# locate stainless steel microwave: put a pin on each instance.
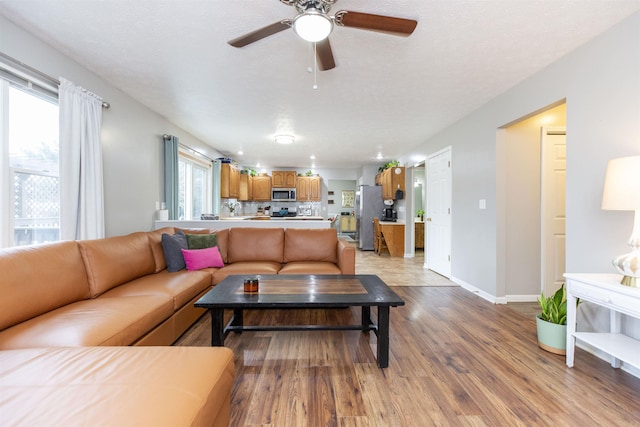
(283, 194)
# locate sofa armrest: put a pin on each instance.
(346, 257)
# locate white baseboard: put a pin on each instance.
(482, 294)
(522, 298)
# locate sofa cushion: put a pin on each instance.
(197, 259)
(117, 386)
(116, 260)
(155, 241)
(221, 235)
(223, 243)
(180, 287)
(246, 267)
(100, 321)
(201, 241)
(172, 245)
(310, 267)
(38, 279)
(255, 244)
(310, 245)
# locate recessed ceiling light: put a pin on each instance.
(312, 157)
(379, 156)
(285, 139)
(240, 153)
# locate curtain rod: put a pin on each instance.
(27, 72)
(167, 137)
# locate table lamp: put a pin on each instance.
(622, 193)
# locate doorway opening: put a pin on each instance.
(530, 200)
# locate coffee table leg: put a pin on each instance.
(383, 336)
(366, 318)
(217, 327)
(238, 320)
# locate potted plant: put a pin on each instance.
(552, 322)
(420, 213)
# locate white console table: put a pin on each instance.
(604, 290)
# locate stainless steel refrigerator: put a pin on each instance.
(369, 204)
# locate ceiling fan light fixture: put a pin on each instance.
(285, 139)
(312, 25)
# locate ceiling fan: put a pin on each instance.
(314, 24)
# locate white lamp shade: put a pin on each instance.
(622, 184)
(312, 26)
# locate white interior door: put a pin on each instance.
(438, 213)
(552, 205)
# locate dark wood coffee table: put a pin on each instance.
(303, 291)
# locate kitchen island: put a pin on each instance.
(250, 221)
(393, 233)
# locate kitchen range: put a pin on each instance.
(283, 212)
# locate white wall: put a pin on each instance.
(131, 135)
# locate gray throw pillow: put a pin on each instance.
(172, 246)
(201, 241)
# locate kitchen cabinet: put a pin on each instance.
(347, 224)
(245, 192)
(392, 179)
(419, 231)
(229, 181)
(261, 188)
(283, 179)
(308, 188)
(606, 291)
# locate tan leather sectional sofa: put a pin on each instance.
(117, 292)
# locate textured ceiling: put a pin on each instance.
(386, 95)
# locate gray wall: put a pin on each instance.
(131, 135)
(601, 83)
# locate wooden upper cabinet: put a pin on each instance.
(283, 179)
(261, 188)
(308, 189)
(246, 187)
(302, 189)
(392, 179)
(229, 181)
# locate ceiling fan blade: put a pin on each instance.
(261, 33)
(325, 55)
(381, 23)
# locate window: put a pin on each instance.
(29, 185)
(194, 186)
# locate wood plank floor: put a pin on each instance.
(455, 360)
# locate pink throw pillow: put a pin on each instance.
(196, 259)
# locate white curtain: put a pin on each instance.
(81, 187)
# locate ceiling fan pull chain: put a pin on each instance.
(315, 67)
(311, 54)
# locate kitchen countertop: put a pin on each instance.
(398, 222)
(270, 218)
(230, 222)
